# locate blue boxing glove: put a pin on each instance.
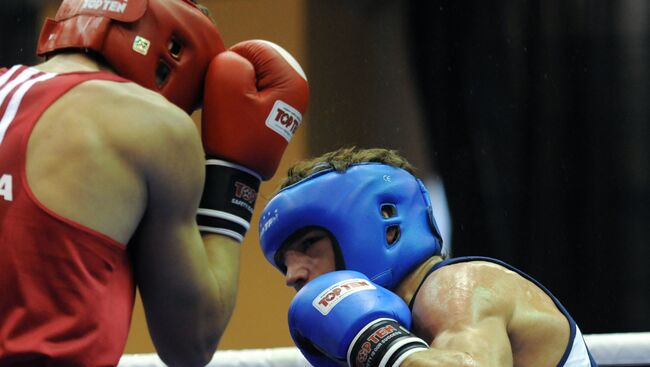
(342, 318)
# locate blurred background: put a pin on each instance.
(529, 120)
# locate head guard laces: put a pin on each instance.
(163, 45)
(359, 207)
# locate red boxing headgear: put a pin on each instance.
(163, 45)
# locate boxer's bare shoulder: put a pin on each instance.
(128, 137)
(133, 117)
(478, 294)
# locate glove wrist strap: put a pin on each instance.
(383, 342)
(228, 199)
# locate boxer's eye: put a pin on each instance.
(307, 242)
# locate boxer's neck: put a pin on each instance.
(72, 62)
(407, 287)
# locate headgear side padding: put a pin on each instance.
(349, 205)
(163, 45)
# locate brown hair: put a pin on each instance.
(341, 159)
(205, 11)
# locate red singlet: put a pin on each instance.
(66, 291)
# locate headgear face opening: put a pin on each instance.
(163, 45)
(358, 207)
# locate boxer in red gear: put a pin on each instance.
(101, 174)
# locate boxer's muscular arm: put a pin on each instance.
(466, 317)
(482, 344)
(188, 287)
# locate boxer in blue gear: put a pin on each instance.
(364, 210)
(381, 198)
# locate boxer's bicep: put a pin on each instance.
(464, 316)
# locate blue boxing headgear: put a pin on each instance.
(351, 205)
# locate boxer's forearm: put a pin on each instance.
(439, 358)
(223, 254)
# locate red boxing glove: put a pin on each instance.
(255, 96)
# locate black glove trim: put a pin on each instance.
(211, 161)
(383, 342)
(403, 349)
(228, 199)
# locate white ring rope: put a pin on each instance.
(271, 357)
(619, 349)
(629, 349)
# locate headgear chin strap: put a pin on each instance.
(358, 207)
(163, 45)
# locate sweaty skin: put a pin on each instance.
(471, 314)
(123, 161)
(309, 256)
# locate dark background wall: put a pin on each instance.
(539, 112)
(18, 30)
